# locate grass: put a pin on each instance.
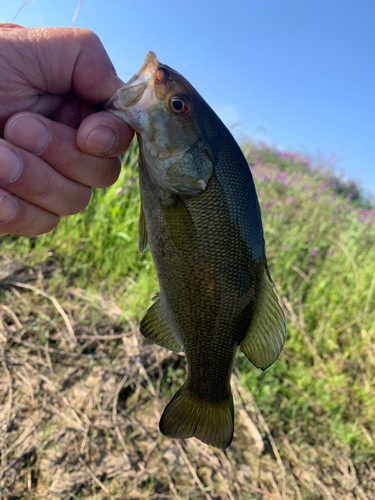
(81, 394)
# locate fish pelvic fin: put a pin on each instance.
(187, 416)
(156, 328)
(266, 335)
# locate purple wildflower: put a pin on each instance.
(268, 205)
(290, 200)
(313, 251)
(281, 175)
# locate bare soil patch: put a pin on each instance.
(81, 394)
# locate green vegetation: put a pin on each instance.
(98, 247)
(317, 400)
(321, 249)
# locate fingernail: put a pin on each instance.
(8, 209)
(10, 164)
(28, 133)
(101, 140)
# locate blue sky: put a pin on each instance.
(295, 73)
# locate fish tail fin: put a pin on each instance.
(186, 416)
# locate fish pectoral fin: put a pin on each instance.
(186, 416)
(180, 225)
(266, 335)
(155, 327)
(142, 232)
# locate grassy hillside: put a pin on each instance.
(81, 392)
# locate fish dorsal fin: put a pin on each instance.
(156, 328)
(266, 335)
(142, 232)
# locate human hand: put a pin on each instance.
(53, 146)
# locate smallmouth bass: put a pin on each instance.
(201, 218)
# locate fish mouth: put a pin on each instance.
(133, 90)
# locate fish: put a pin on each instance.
(201, 219)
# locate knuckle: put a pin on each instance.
(47, 189)
(88, 36)
(84, 199)
(43, 225)
(50, 223)
(80, 201)
(25, 224)
(109, 173)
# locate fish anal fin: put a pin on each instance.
(186, 416)
(142, 232)
(156, 328)
(266, 335)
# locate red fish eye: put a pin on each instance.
(179, 105)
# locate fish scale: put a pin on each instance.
(200, 217)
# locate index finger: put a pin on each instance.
(58, 61)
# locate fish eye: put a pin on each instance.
(179, 104)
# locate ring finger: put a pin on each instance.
(33, 180)
(22, 218)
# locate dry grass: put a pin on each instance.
(80, 401)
